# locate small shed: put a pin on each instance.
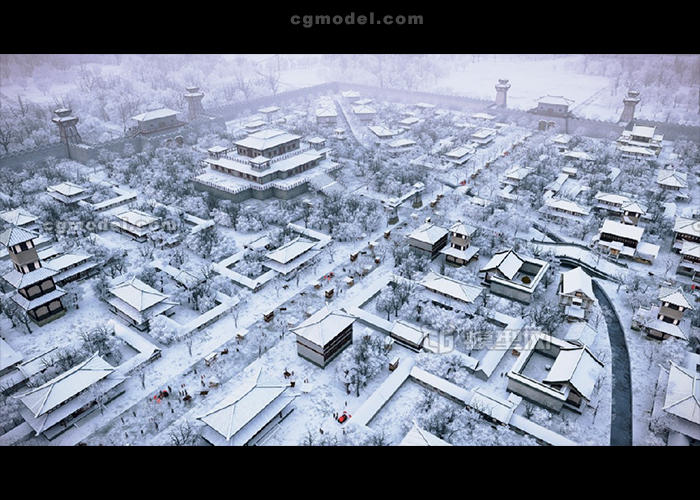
(394, 364)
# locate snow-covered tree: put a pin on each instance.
(360, 362)
(165, 330)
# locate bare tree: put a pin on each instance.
(183, 434)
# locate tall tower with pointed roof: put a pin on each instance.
(36, 292)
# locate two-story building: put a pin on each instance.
(690, 260)
(628, 210)
(619, 239)
(324, 335)
(674, 182)
(640, 141)
(268, 143)
(576, 294)
(685, 229)
(429, 239)
(460, 251)
(68, 192)
(664, 320)
(135, 223)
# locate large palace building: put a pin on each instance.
(264, 164)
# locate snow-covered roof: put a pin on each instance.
(408, 332)
(651, 322)
(639, 150)
(691, 249)
(266, 139)
(465, 254)
(399, 143)
(268, 110)
(8, 356)
(41, 300)
(460, 227)
(557, 183)
(497, 408)
(483, 116)
(420, 437)
(53, 393)
(641, 131)
(506, 262)
(253, 124)
(567, 205)
(554, 99)
(18, 217)
(483, 133)
(65, 261)
(683, 394)
(616, 199)
(66, 189)
(674, 296)
(459, 152)
(576, 280)
(687, 226)
(15, 235)
(22, 280)
(517, 173)
(579, 155)
(138, 294)
(577, 367)
(350, 94)
(241, 415)
(326, 110)
(382, 131)
(451, 287)
(646, 249)
(428, 233)
(582, 332)
(324, 325)
(291, 250)
(363, 109)
(153, 115)
(634, 207)
(137, 218)
(410, 120)
(672, 178)
(363, 101)
(622, 230)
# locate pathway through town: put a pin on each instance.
(621, 420)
